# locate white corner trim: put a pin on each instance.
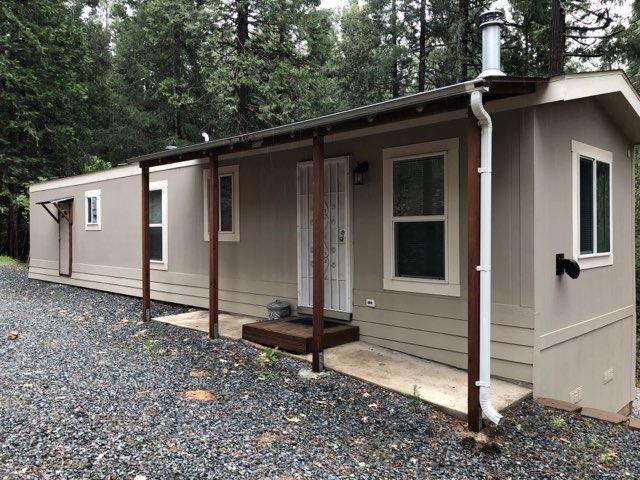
(579, 149)
(96, 227)
(451, 285)
(233, 236)
(162, 185)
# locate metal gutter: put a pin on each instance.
(331, 119)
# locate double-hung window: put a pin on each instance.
(592, 168)
(228, 204)
(421, 218)
(92, 206)
(158, 224)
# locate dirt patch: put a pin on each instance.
(199, 395)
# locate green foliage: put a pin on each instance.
(558, 422)
(608, 457)
(85, 84)
(95, 164)
(5, 260)
(594, 444)
(271, 354)
(268, 355)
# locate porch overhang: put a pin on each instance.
(443, 100)
(55, 203)
(439, 100)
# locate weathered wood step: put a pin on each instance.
(294, 334)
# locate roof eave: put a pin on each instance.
(506, 86)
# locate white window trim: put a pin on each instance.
(97, 226)
(164, 263)
(451, 284)
(234, 172)
(591, 260)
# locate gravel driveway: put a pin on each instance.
(86, 391)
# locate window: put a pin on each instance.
(158, 224)
(592, 206)
(228, 205)
(92, 208)
(421, 218)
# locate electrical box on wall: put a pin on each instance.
(371, 303)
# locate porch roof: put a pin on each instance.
(438, 100)
(55, 201)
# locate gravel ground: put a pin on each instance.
(636, 404)
(87, 391)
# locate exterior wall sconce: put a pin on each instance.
(567, 265)
(359, 171)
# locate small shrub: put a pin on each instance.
(594, 444)
(416, 393)
(271, 354)
(271, 376)
(583, 462)
(558, 422)
(607, 458)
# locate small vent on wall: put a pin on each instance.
(575, 395)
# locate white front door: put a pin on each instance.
(337, 235)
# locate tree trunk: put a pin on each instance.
(422, 61)
(395, 83)
(557, 38)
(242, 35)
(462, 48)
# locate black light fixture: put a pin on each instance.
(567, 265)
(359, 171)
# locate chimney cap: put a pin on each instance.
(492, 17)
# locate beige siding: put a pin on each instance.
(583, 326)
(263, 266)
(435, 326)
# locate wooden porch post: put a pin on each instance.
(318, 253)
(474, 416)
(146, 253)
(213, 245)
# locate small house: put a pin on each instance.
(487, 225)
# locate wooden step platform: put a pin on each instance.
(294, 334)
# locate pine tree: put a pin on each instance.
(47, 69)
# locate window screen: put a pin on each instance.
(420, 249)
(155, 234)
(226, 203)
(586, 205)
(603, 206)
(419, 193)
(418, 186)
(595, 206)
(155, 225)
(92, 210)
(155, 207)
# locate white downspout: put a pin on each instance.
(484, 120)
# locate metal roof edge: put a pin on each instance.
(323, 120)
